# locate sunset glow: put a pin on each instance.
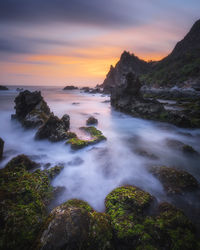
(77, 43)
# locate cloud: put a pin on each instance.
(93, 12)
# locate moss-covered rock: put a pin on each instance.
(134, 228)
(174, 180)
(23, 199)
(75, 225)
(70, 135)
(53, 172)
(126, 206)
(96, 135)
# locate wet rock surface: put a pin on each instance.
(95, 134)
(70, 87)
(1, 147)
(91, 120)
(75, 225)
(180, 146)
(54, 129)
(23, 199)
(31, 109)
(3, 87)
(175, 180)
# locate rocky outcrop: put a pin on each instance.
(3, 87)
(75, 225)
(54, 129)
(182, 147)
(1, 147)
(95, 134)
(127, 63)
(91, 120)
(70, 87)
(23, 199)
(31, 109)
(174, 180)
(128, 98)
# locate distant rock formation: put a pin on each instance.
(127, 63)
(181, 67)
(71, 87)
(3, 87)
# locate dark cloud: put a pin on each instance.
(95, 12)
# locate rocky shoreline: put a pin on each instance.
(133, 218)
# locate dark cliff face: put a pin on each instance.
(182, 65)
(179, 67)
(127, 63)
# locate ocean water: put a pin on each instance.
(91, 173)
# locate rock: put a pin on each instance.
(77, 161)
(54, 129)
(91, 120)
(180, 146)
(19, 89)
(127, 206)
(132, 224)
(70, 135)
(75, 225)
(31, 109)
(71, 87)
(85, 89)
(3, 87)
(146, 154)
(96, 135)
(23, 200)
(53, 172)
(1, 147)
(174, 180)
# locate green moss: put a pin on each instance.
(174, 180)
(96, 135)
(79, 204)
(23, 198)
(53, 172)
(71, 135)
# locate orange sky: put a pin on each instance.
(79, 48)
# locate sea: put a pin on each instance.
(92, 173)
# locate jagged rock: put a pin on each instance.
(53, 172)
(174, 180)
(3, 87)
(31, 109)
(54, 129)
(127, 63)
(1, 147)
(23, 200)
(91, 120)
(75, 225)
(71, 87)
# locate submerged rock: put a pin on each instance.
(31, 109)
(96, 135)
(180, 146)
(54, 129)
(53, 172)
(174, 180)
(1, 147)
(75, 225)
(23, 200)
(91, 120)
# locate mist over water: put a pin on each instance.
(91, 173)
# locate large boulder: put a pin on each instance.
(75, 225)
(54, 129)
(3, 87)
(31, 109)
(24, 196)
(91, 120)
(174, 180)
(70, 87)
(136, 227)
(1, 147)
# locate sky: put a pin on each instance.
(74, 42)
